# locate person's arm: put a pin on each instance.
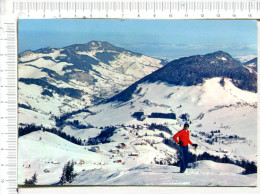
(190, 140)
(193, 144)
(176, 137)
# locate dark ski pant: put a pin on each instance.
(184, 158)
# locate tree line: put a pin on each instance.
(31, 128)
(104, 136)
(60, 121)
(160, 127)
(250, 167)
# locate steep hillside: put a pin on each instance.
(194, 70)
(252, 64)
(53, 81)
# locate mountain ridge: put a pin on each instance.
(94, 71)
(188, 71)
(252, 64)
(89, 46)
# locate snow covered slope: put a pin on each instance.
(221, 110)
(222, 118)
(207, 173)
(45, 154)
(210, 92)
(39, 151)
(55, 81)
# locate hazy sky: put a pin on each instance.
(158, 38)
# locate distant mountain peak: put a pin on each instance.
(221, 53)
(99, 43)
(103, 45)
(94, 45)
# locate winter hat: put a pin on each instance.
(186, 124)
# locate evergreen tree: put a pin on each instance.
(68, 174)
(31, 181)
(34, 178)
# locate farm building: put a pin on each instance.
(81, 162)
(27, 165)
(134, 154)
(46, 170)
(95, 149)
(115, 151)
(118, 161)
(141, 143)
(122, 146)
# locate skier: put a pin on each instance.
(183, 138)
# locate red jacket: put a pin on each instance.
(183, 136)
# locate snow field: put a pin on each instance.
(35, 56)
(28, 71)
(33, 117)
(207, 173)
(52, 153)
